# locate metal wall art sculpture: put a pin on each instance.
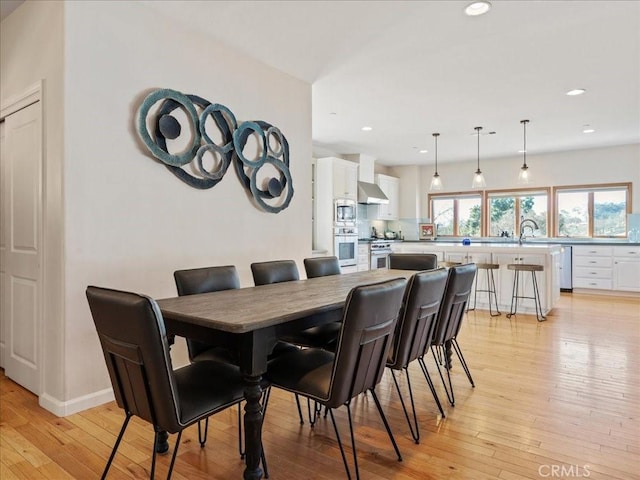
(273, 148)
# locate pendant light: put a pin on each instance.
(478, 178)
(523, 177)
(436, 182)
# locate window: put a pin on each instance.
(598, 211)
(506, 209)
(457, 215)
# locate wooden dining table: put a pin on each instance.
(251, 319)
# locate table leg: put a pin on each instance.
(448, 354)
(253, 427)
(163, 444)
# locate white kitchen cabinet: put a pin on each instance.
(626, 268)
(391, 188)
(593, 267)
(364, 262)
(334, 178)
(345, 179)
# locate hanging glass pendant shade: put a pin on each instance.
(524, 177)
(478, 177)
(436, 181)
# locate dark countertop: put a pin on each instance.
(369, 240)
(529, 241)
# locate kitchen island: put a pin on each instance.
(503, 254)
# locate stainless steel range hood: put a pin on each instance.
(371, 194)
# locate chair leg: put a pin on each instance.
(415, 432)
(491, 278)
(175, 452)
(427, 377)
(475, 296)
(539, 316)
(448, 391)
(299, 409)
(117, 444)
(353, 442)
(386, 424)
(344, 457)
(156, 440)
(456, 347)
(203, 438)
(514, 295)
(265, 469)
(316, 409)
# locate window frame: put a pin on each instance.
(590, 189)
(455, 196)
(517, 193)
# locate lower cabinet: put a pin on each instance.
(363, 257)
(626, 269)
(615, 268)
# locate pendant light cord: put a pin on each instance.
(436, 135)
(524, 125)
(478, 130)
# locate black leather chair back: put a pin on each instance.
(417, 321)
(413, 261)
(370, 316)
(135, 347)
(454, 302)
(207, 279)
(265, 273)
(321, 266)
(204, 280)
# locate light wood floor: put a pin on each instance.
(557, 399)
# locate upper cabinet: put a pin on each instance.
(334, 178)
(390, 186)
(345, 179)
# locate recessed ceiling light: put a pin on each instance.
(367, 129)
(424, 151)
(521, 151)
(577, 91)
(588, 130)
(477, 8)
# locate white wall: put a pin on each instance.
(31, 50)
(577, 167)
(130, 223)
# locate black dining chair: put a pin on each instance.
(215, 279)
(452, 310)
(321, 266)
(414, 333)
(334, 379)
(136, 350)
(276, 271)
(413, 261)
(320, 336)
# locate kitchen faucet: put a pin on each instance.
(524, 223)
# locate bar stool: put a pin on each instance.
(491, 286)
(524, 267)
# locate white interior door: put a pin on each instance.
(21, 245)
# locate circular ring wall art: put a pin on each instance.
(271, 193)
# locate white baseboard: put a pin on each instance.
(63, 409)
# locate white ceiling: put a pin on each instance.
(411, 68)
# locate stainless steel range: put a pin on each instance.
(380, 250)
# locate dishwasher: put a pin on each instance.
(566, 284)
